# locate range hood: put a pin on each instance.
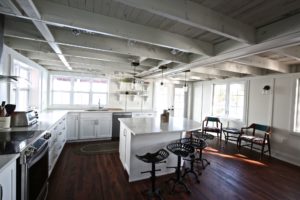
(9, 78)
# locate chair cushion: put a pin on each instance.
(256, 140)
(259, 140)
(212, 129)
(247, 137)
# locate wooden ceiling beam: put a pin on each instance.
(97, 43)
(240, 68)
(232, 50)
(214, 71)
(291, 52)
(60, 15)
(30, 9)
(263, 63)
(198, 16)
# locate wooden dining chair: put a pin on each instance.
(259, 136)
(212, 124)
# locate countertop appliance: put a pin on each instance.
(32, 165)
(23, 118)
(116, 123)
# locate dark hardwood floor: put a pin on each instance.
(229, 176)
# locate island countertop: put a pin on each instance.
(140, 126)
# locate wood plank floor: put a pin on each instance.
(230, 176)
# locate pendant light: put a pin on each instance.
(185, 86)
(134, 64)
(162, 73)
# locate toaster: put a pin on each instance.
(23, 118)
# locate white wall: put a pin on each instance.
(6, 69)
(274, 109)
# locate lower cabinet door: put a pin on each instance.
(88, 128)
(8, 182)
(105, 128)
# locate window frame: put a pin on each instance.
(16, 66)
(227, 99)
(295, 128)
(72, 92)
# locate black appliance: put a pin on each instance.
(32, 166)
(116, 122)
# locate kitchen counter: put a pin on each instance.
(5, 160)
(45, 120)
(139, 136)
(113, 110)
(139, 126)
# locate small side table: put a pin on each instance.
(231, 134)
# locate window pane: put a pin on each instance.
(81, 98)
(61, 98)
(102, 97)
(236, 101)
(100, 86)
(23, 99)
(297, 109)
(23, 83)
(219, 100)
(24, 73)
(179, 102)
(162, 94)
(61, 83)
(82, 85)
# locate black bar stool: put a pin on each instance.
(199, 144)
(154, 158)
(181, 150)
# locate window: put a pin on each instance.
(179, 104)
(80, 91)
(296, 127)
(162, 94)
(229, 100)
(20, 93)
(219, 100)
(236, 101)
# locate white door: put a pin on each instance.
(179, 101)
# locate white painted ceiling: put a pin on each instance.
(215, 39)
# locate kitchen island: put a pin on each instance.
(139, 136)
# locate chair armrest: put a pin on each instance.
(245, 128)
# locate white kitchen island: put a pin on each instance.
(139, 136)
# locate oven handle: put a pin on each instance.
(1, 192)
(37, 155)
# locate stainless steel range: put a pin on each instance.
(32, 167)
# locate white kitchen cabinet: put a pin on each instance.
(57, 141)
(95, 125)
(88, 127)
(8, 182)
(73, 126)
(124, 146)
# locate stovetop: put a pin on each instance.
(16, 141)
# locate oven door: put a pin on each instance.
(35, 175)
